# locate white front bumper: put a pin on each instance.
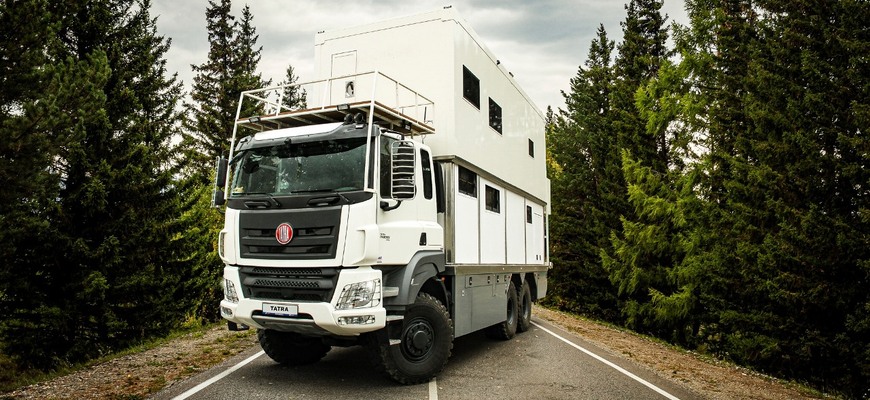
(313, 316)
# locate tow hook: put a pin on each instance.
(234, 327)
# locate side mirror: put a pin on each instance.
(403, 163)
(220, 179)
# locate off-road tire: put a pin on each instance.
(291, 348)
(524, 296)
(427, 339)
(507, 329)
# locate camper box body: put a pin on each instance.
(439, 55)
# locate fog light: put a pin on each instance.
(360, 294)
(226, 312)
(357, 320)
(230, 291)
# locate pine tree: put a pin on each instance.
(293, 97)
(640, 54)
(47, 99)
(218, 84)
(800, 176)
(633, 266)
(231, 68)
(104, 284)
(587, 187)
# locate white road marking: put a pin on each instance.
(612, 365)
(433, 390)
(217, 377)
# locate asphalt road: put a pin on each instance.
(544, 363)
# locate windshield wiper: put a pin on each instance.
(271, 197)
(313, 191)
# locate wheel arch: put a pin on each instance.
(419, 275)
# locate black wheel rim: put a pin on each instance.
(417, 339)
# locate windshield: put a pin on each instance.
(325, 166)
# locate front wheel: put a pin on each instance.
(426, 342)
(291, 348)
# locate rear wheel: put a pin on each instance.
(291, 348)
(507, 329)
(525, 307)
(426, 341)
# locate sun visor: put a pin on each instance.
(305, 134)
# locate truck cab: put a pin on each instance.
(307, 197)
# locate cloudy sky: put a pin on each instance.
(541, 41)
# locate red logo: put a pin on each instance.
(284, 233)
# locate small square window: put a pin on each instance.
(495, 116)
(528, 214)
(467, 182)
(531, 148)
(470, 87)
(493, 199)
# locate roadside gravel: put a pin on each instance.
(711, 378)
(138, 375)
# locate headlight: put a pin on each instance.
(230, 291)
(360, 294)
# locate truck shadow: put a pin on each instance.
(350, 367)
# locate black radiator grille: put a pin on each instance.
(315, 233)
(305, 284)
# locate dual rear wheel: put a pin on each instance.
(519, 313)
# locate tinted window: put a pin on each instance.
(493, 199)
(467, 182)
(470, 87)
(426, 163)
(495, 116)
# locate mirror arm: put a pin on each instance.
(387, 207)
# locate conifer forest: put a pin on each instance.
(710, 181)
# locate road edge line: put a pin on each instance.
(217, 377)
(610, 364)
(433, 390)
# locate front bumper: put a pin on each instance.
(313, 318)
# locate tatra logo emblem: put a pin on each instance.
(284, 233)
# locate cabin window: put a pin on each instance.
(493, 199)
(495, 116)
(528, 214)
(467, 182)
(386, 166)
(426, 162)
(470, 87)
(531, 148)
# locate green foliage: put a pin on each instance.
(746, 183)
(197, 254)
(293, 97)
(585, 182)
(217, 87)
(95, 111)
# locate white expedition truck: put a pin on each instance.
(363, 216)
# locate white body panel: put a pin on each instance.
(515, 230)
(492, 232)
(467, 238)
